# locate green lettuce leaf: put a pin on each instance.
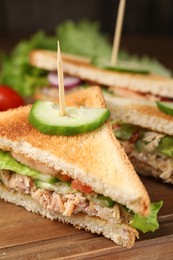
(133, 64)
(166, 146)
(16, 70)
(7, 162)
(149, 223)
(83, 38)
(126, 131)
(152, 64)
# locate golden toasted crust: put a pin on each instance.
(80, 67)
(95, 158)
(138, 112)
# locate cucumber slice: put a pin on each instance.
(60, 187)
(121, 66)
(103, 201)
(166, 107)
(129, 67)
(45, 117)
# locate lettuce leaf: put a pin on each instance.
(126, 131)
(153, 65)
(16, 70)
(149, 223)
(166, 146)
(82, 38)
(7, 162)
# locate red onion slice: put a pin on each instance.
(69, 81)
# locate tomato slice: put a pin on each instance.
(78, 185)
(63, 177)
(9, 98)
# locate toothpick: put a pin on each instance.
(118, 31)
(60, 82)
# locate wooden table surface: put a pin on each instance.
(24, 235)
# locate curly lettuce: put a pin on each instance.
(149, 223)
(81, 38)
(16, 70)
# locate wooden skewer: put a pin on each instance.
(118, 31)
(60, 81)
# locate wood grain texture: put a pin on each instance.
(24, 235)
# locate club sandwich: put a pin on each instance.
(146, 133)
(120, 83)
(85, 180)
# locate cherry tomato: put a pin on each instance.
(78, 185)
(9, 98)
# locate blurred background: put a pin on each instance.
(144, 19)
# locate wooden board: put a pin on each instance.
(24, 235)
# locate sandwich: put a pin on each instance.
(85, 180)
(146, 134)
(121, 82)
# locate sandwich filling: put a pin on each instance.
(50, 92)
(149, 151)
(61, 195)
(57, 193)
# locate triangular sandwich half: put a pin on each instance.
(98, 189)
(124, 84)
(146, 133)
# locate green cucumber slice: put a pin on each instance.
(121, 66)
(166, 107)
(166, 145)
(129, 67)
(60, 187)
(7, 162)
(103, 201)
(126, 131)
(45, 117)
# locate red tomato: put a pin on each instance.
(63, 177)
(78, 185)
(134, 137)
(9, 98)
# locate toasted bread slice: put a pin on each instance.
(95, 158)
(81, 67)
(140, 112)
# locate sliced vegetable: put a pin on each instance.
(149, 223)
(121, 66)
(166, 107)
(103, 201)
(126, 131)
(60, 187)
(166, 145)
(129, 67)
(45, 116)
(7, 162)
(69, 81)
(9, 98)
(79, 186)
